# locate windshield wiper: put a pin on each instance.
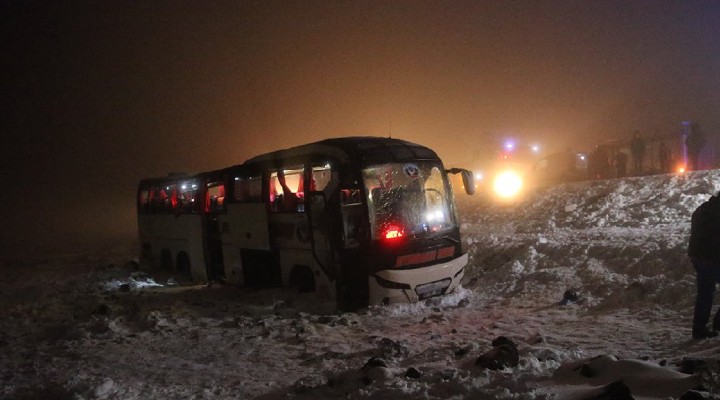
(452, 239)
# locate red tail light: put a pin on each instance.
(393, 232)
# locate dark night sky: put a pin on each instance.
(100, 94)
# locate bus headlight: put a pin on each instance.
(507, 184)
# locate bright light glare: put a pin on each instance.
(507, 184)
(509, 146)
(393, 232)
(536, 149)
(435, 216)
(478, 176)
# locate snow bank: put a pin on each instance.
(589, 280)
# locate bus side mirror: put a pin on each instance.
(467, 179)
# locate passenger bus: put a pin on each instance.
(360, 220)
(176, 223)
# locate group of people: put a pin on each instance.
(611, 162)
(607, 161)
(694, 143)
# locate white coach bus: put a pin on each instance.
(361, 220)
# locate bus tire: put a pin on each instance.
(302, 279)
(352, 295)
(347, 300)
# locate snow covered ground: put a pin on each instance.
(90, 327)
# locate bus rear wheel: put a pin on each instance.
(302, 279)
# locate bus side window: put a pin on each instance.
(173, 199)
(187, 198)
(158, 203)
(350, 196)
(287, 190)
(320, 178)
(248, 190)
(144, 200)
(153, 204)
(167, 199)
(215, 197)
(352, 213)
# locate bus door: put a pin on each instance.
(352, 276)
(322, 185)
(290, 236)
(245, 231)
(214, 206)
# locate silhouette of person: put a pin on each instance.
(694, 142)
(704, 252)
(599, 164)
(621, 160)
(637, 148)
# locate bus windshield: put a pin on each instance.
(408, 199)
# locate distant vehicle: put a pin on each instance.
(517, 169)
(558, 168)
(502, 175)
(360, 220)
(601, 162)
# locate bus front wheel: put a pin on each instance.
(352, 294)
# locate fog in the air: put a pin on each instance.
(100, 95)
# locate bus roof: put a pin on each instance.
(359, 149)
(169, 178)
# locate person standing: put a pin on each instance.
(704, 252)
(621, 160)
(637, 148)
(694, 142)
(599, 164)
